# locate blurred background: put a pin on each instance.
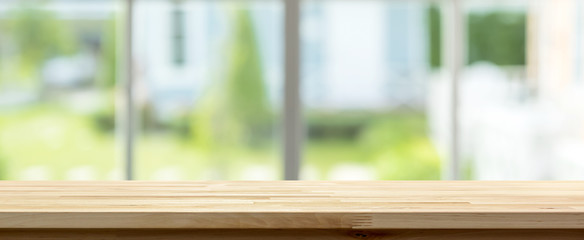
(208, 81)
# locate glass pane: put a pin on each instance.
(209, 79)
(367, 88)
(57, 88)
(522, 94)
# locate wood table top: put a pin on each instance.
(292, 205)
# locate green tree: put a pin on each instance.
(245, 90)
(235, 112)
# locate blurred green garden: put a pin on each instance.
(70, 131)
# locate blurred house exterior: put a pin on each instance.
(376, 59)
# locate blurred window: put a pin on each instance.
(378, 89)
(178, 35)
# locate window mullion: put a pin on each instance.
(129, 92)
(292, 116)
(454, 46)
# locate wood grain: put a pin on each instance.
(292, 205)
(314, 234)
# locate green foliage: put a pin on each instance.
(336, 125)
(236, 111)
(234, 117)
(497, 37)
(34, 35)
(411, 160)
(45, 135)
(396, 143)
(104, 119)
(392, 130)
(38, 35)
(109, 59)
(3, 168)
(245, 89)
(400, 147)
(468, 169)
(434, 33)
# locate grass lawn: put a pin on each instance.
(393, 146)
(50, 143)
(46, 142)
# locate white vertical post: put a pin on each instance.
(454, 48)
(129, 91)
(457, 66)
(292, 123)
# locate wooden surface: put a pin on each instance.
(292, 205)
(288, 234)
